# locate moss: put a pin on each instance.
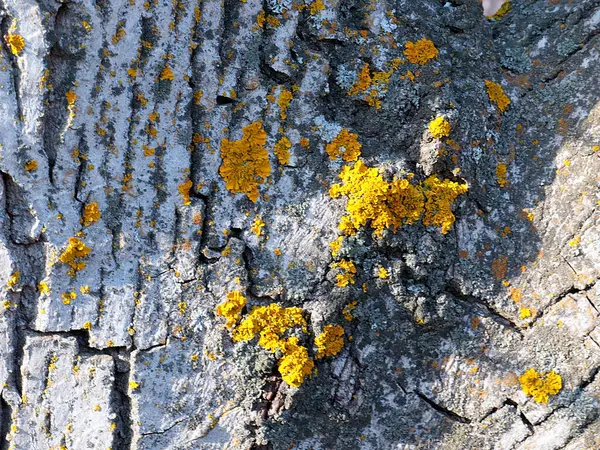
(345, 145)
(73, 255)
(246, 161)
(540, 386)
(330, 342)
(439, 127)
(420, 52)
(496, 95)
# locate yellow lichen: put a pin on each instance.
(345, 145)
(43, 288)
(347, 311)
(316, 6)
(383, 273)
(31, 165)
(87, 326)
(246, 161)
(282, 150)
(167, 74)
(232, 308)
(13, 279)
(184, 191)
(68, 297)
(501, 12)
(440, 195)
(257, 226)
(74, 253)
(336, 246)
(540, 385)
(85, 289)
(420, 52)
(91, 213)
(295, 365)
(285, 98)
(371, 87)
(575, 241)
(71, 97)
(330, 342)
(524, 313)
(501, 174)
(348, 272)
(439, 127)
(497, 95)
(15, 42)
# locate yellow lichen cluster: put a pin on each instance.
(371, 87)
(501, 174)
(257, 226)
(184, 190)
(74, 253)
(347, 276)
(31, 165)
(232, 308)
(345, 145)
(246, 161)
(540, 385)
(167, 74)
(68, 297)
(420, 52)
(439, 127)
(282, 150)
(15, 42)
(91, 214)
(383, 205)
(330, 342)
(501, 12)
(285, 98)
(13, 279)
(497, 95)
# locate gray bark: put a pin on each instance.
(433, 353)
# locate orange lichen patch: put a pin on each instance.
(440, 195)
(184, 190)
(345, 145)
(282, 150)
(347, 311)
(71, 97)
(31, 165)
(132, 72)
(347, 276)
(420, 52)
(232, 308)
(73, 255)
(336, 246)
(501, 171)
(246, 161)
(91, 214)
(516, 294)
(540, 386)
(15, 42)
(371, 87)
(330, 342)
(316, 6)
(167, 74)
(440, 127)
(198, 97)
(271, 323)
(257, 226)
(383, 273)
(501, 12)
(497, 95)
(285, 98)
(304, 143)
(499, 267)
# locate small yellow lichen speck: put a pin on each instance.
(336, 246)
(232, 308)
(68, 297)
(71, 97)
(133, 385)
(74, 253)
(246, 161)
(497, 95)
(257, 226)
(330, 342)
(501, 177)
(383, 273)
(347, 311)
(282, 150)
(167, 74)
(524, 313)
(347, 276)
(540, 385)
(371, 87)
(13, 279)
(31, 165)
(43, 288)
(345, 145)
(15, 42)
(439, 127)
(575, 241)
(91, 214)
(85, 289)
(87, 326)
(184, 191)
(285, 98)
(420, 52)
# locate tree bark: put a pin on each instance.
(158, 156)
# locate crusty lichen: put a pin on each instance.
(246, 161)
(346, 145)
(73, 255)
(381, 205)
(232, 308)
(420, 52)
(440, 127)
(497, 95)
(330, 342)
(540, 386)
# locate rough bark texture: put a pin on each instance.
(432, 355)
